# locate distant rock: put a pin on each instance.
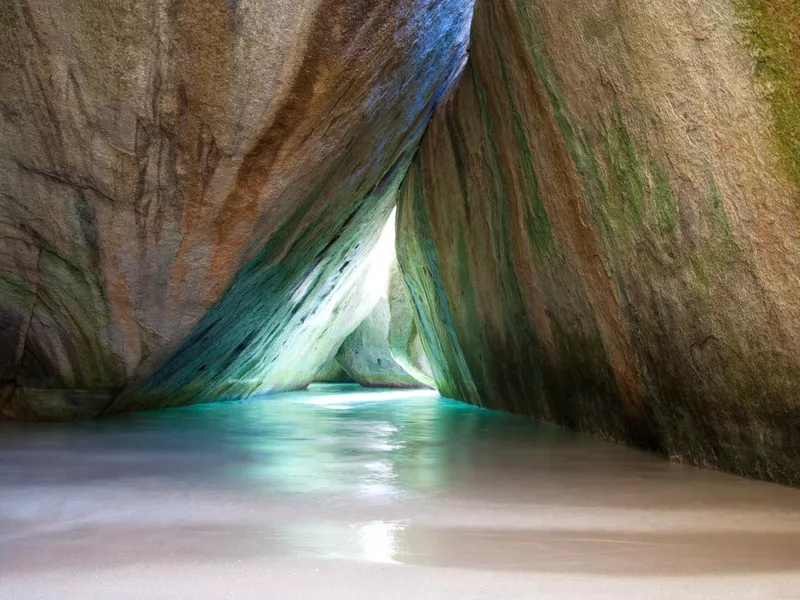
(405, 342)
(366, 356)
(332, 372)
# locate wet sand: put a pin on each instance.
(365, 494)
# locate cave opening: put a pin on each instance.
(384, 349)
(418, 280)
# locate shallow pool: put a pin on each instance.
(341, 492)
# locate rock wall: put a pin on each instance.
(601, 226)
(190, 191)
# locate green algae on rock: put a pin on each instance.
(772, 31)
(598, 229)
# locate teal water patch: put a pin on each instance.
(331, 440)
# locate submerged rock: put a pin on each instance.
(601, 226)
(190, 192)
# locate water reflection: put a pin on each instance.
(377, 477)
(374, 541)
(356, 442)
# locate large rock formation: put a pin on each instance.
(601, 227)
(190, 191)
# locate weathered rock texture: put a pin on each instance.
(385, 349)
(189, 191)
(601, 226)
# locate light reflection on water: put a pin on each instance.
(394, 477)
(328, 441)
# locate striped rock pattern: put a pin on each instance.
(602, 226)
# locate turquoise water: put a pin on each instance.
(320, 489)
(333, 440)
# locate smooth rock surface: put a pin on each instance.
(601, 228)
(332, 372)
(366, 356)
(405, 342)
(385, 350)
(190, 191)
(374, 494)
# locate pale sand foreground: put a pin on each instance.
(374, 496)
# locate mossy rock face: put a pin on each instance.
(190, 192)
(772, 34)
(601, 226)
